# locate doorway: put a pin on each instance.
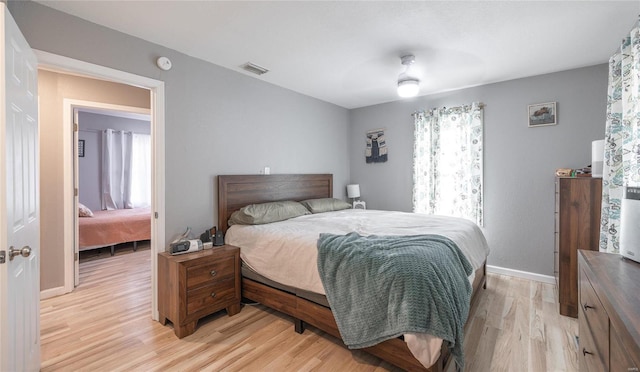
(128, 221)
(53, 62)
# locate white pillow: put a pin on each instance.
(83, 211)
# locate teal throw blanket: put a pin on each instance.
(380, 287)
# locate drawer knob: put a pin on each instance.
(585, 352)
(586, 307)
(213, 294)
(213, 273)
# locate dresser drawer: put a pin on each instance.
(593, 317)
(209, 272)
(209, 296)
(588, 358)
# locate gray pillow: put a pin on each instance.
(325, 205)
(258, 214)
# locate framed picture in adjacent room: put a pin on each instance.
(542, 114)
(81, 148)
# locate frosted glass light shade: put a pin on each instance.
(408, 88)
(353, 191)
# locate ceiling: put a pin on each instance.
(348, 52)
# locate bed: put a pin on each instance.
(309, 307)
(108, 228)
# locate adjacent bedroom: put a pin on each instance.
(114, 177)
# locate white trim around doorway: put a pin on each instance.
(77, 67)
(68, 107)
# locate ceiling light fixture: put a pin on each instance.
(408, 85)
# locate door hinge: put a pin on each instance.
(76, 256)
(3, 256)
(75, 192)
(155, 214)
(75, 127)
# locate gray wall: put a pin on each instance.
(217, 121)
(519, 162)
(89, 166)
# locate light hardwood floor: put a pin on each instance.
(105, 325)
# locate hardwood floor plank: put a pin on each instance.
(105, 325)
(302, 356)
(537, 354)
(497, 290)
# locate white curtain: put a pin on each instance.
(447, 162)
(126, 170)
(622, 137)
(116, 169)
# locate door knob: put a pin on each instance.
(24, 252)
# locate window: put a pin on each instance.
(141, 170)
(447, 162)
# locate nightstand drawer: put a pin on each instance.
(210, 296)
(209, 272)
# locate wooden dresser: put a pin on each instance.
(194, 285)
(577, 226)
(609, 321)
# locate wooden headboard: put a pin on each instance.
(235, 192)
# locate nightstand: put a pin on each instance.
(194, 285)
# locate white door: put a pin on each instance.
(19, 202)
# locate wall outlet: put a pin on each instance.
(267, 170)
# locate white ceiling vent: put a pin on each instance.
(252, 67)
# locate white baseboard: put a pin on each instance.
(52, 292)
(521, 274)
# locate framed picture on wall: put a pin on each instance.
(376, 150)
(81, 148)
(541, 114)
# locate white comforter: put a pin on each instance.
(286, 251)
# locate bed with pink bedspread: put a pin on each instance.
(108, 228)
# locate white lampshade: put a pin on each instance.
(408, 88)
(353, 191)
(597, 158)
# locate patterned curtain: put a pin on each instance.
(447, 162)
(622, 137)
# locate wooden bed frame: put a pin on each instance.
(237, 191)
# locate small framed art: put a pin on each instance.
(541, 114)
(81, 148)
